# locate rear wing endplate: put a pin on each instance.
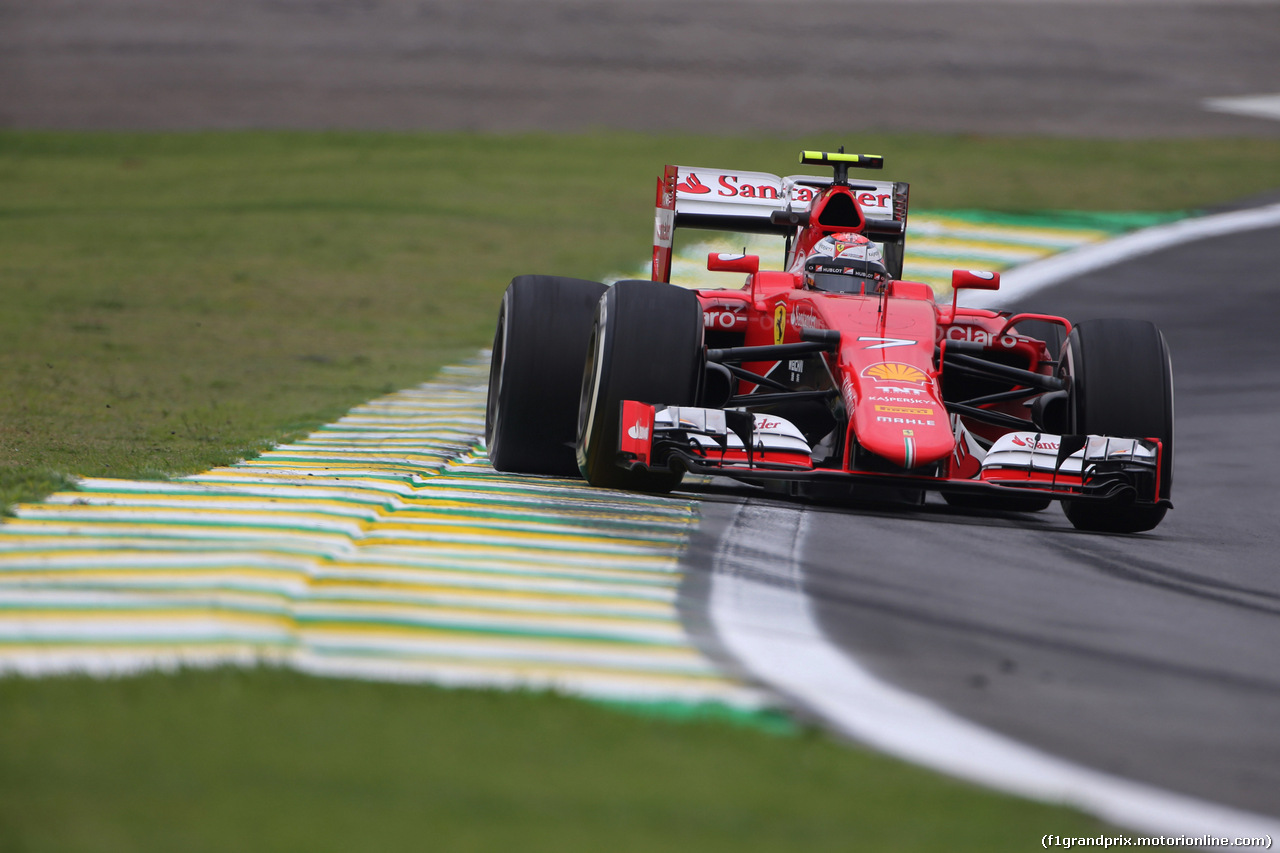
(744, 202)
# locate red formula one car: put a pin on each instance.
(830, 376)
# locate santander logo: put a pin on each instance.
(639, 432)
(1040, 445)
(729, 186)
(692, 185)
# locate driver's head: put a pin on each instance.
(845, 263)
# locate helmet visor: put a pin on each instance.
(846, 276)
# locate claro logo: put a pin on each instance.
(724, 318)
(978, 335)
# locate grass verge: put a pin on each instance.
(267, 760)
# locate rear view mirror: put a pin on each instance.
(728, 262)
(974, 280)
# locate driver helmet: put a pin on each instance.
(844, 263)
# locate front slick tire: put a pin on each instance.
(1122, 386)
(646, 346)
(536, 374)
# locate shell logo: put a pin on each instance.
(896, 371)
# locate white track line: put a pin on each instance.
(1035, 276)
(1254, 106)
(769, 627)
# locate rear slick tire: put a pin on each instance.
(1121, 385)
(535, 374)
(646, 345)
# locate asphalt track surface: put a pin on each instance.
(1149, 656)
(1118, 68)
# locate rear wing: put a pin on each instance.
(744, 203)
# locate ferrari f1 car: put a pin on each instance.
(831, 376)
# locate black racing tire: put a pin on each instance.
(535, 374)
(646, 345)
(1121, 385)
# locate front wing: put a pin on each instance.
(750, 446)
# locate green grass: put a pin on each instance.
(264, 760)
(173, 302)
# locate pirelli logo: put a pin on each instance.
(905, 410)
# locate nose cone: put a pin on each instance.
(902, 422)
(908, 441)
